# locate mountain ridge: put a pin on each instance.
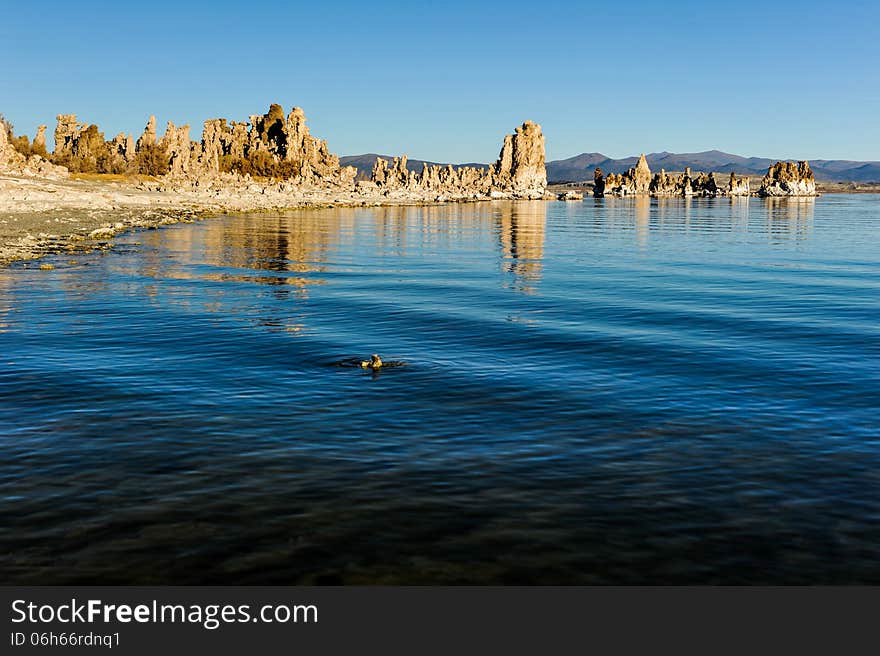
(364, 163)
(580, 167)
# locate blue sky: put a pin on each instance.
(446, 80)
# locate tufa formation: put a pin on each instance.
(788, 179)
(279, 146)
(639, 181)
(518, 172)
(29, 163)
(270, 145)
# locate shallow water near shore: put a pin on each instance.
(608, 391)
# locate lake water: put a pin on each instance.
(612, 391)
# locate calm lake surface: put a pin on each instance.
(612, 391)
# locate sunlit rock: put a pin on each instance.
(788, 179)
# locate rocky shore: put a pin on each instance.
(41, 216)
(89, 188)
(270, 162)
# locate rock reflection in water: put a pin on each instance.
(789, 218)
(521, 231)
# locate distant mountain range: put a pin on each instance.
(364, 163)
(580, 167)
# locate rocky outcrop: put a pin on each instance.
(122, 148)
(397, 175)
(66, 132)
(39, 143)
(448, 179)
(738, 186)
(82, 148)
(633, 182)
(9, 157)
(278, 148)
(310, 154)
(706, 185)
(271, 145)
(176, 145)
(13, 162)
(788, 179)
(518, 172)
(148, 138)
(640, 176)
(598, 183)
(663, 184)
(520, 166)
(636, 181)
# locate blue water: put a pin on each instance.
(612, 391)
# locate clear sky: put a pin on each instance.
(445, 80)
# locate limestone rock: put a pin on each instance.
(663, 184)
(176, 145)
(80, 147)
(14, 163)
(788, 179)
(124, 146)
(273, 144)
(636, 181)
(738, 186)
(640, 176)
(120, 155)
(148, 138)
(685, 184)
(706, 185)
(66, 132)
(598, 183)
(520, 165)
(519, 171)
(10, 159)
(39, 143)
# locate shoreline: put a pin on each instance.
(41, 217)
(44, 216)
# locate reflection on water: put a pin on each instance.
(789, 218)
(613, 391)
(643, 218)
(521, 229)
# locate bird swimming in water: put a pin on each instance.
(375, 362)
